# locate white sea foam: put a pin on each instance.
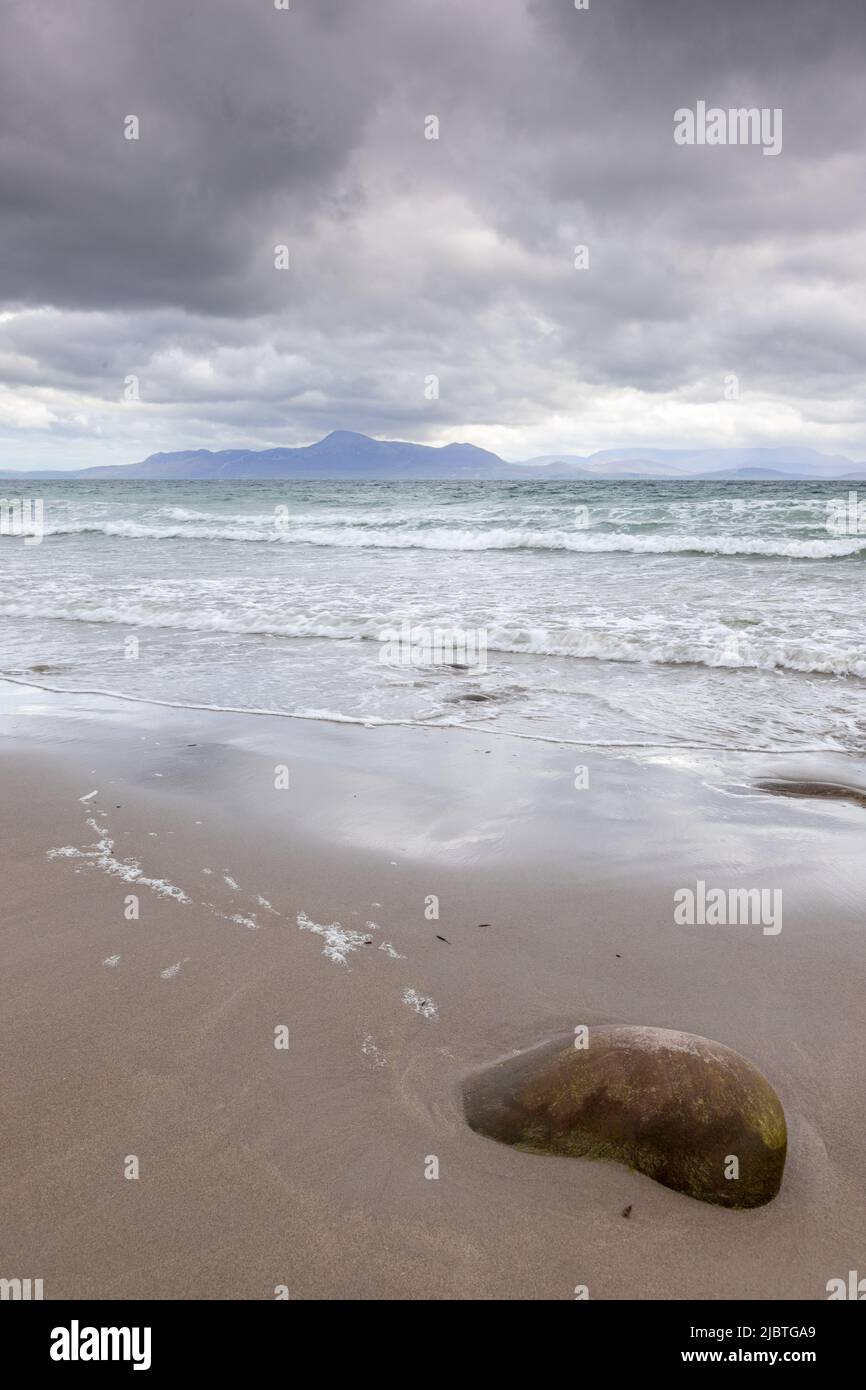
(339, 941)
(421, 1003)
(171, 971)
(711, 646)
(494, 538)
(373, 1053)
(101, 856)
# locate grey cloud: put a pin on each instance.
(410, 257)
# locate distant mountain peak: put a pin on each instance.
(348, 454)
(347, 436)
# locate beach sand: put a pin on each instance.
(262, 1167)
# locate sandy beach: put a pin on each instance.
(307, 908)
(432, 672)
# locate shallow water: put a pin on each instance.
(697, 614)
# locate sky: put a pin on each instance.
(720, 300)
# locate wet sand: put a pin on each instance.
(823, 791)
(305, 1167)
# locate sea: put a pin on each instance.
(638, 614)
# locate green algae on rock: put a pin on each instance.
(691, 1113)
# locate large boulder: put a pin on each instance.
(691, 1113)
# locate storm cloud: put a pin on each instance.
(154, 258)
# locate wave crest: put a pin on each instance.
(501, 538)
(715, 647)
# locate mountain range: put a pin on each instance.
(344, 454)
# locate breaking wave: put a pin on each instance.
(260, 531)
(716, 647)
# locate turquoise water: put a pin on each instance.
(699, 614)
